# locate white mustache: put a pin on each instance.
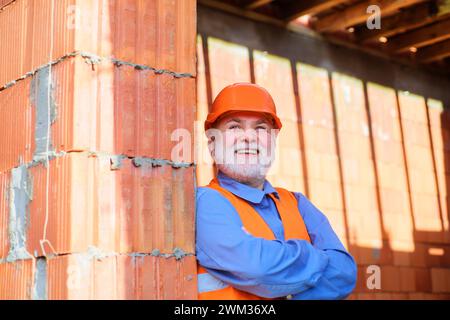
(259, 155)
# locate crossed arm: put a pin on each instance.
(322, 269)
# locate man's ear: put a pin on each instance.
(213, 135)
(211, 145)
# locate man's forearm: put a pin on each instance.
(338, 280)
(296, 268)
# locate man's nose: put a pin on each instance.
(248, 135)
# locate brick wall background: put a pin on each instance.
(92, 204)
(366, 140)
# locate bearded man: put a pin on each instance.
(255, 241)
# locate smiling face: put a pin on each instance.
(242, 145)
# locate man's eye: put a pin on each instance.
(233, 127)
(261, 128)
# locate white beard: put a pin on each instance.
(251, 172)
(247, 174)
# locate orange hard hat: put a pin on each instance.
(243, 96)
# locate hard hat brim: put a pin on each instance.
(213, 117)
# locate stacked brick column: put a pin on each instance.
(94, 201)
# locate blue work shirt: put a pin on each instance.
(322, 269)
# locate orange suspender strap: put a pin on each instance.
(293, 224)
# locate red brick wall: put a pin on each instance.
(111, 214)
(375, 159)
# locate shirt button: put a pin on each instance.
(289, 297)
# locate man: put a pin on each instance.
(255, 241)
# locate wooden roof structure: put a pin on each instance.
(412, 31)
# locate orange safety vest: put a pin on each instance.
(294, 228)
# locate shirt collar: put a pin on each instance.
(244, 191)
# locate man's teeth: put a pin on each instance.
(247, 151)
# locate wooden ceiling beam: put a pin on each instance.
(294, 9)
(254, 4)
(420, 37)
(357, 14)
(414, 17)
(434, 52)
